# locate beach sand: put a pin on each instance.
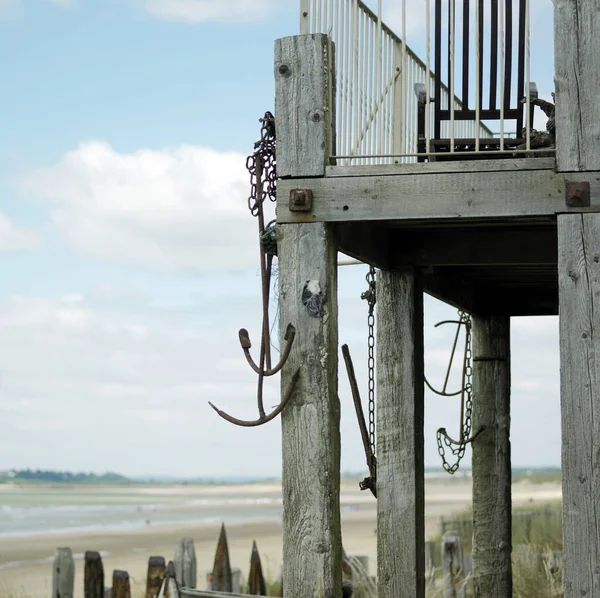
(130, 550)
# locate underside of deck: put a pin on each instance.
(483, 233)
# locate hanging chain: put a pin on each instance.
(458, 447)
(371, 298)
(263, 160)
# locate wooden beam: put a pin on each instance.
(364, 241)
(311, 421)
(442, 167)
(456, 195)
(304, 104)
(470, 247)
(579, 299)
(492, 538)
(400, 410)
(577, 80)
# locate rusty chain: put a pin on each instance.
(458, 447)
(263, 181)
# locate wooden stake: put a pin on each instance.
(221, 575)
(184, 562)
(156, 573)
(120, 585)
(93, 576)
(63, 574)
(256, 580)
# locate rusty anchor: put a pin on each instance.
(261, 165)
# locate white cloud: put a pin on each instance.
(198, 11)
(182, 208)
(15, 238)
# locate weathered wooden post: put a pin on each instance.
(453, 564)
(430, 561)
(63, 574)
(307, 258)
(256, 579)
(221, 579)
(400, 412)
(577, 79)
(184, 562)
(93, 575)
(120, 584)
(492, 536)
(156, 573)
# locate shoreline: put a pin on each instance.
(31, 575)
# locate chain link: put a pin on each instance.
(371, 297)
(458, 447)
(263, 159)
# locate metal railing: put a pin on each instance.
(376, 72)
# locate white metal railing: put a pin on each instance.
(376, 72)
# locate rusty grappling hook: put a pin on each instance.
(263, 178)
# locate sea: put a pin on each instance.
(37, 511)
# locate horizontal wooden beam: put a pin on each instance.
(473, 247)
(439, 167)
(444, 196)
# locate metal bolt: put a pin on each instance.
(577, 194)
(284, 70)
(300, 200)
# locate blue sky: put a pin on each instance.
(129, 255)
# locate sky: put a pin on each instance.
(130, 258)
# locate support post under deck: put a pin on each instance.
(492, 543)
(400, 471)
(312, 544)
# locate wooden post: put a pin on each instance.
(93, 575)
(120, 585)
(453, 565)
(492, 537)
(184, 562)
(63, 574)
(307, 258)
(256, 579)
(400, 467)
(577, 80)
(579, 307)
(430, 561)
(156, 573)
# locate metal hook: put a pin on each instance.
(263, 162)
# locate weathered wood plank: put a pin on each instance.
(492, 539)
(432, 196)
(303, 104)
(310, 422)
(442, 167)
(189, 593)
(400, 411)
(63, 574)
(577, 80)
(184, 562)
(579, 301)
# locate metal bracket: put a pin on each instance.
(300, 200)
(577, 194)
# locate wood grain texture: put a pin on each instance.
(432, 196)
(577, 80)
(184, 562)
(453, 564)
(311, 421)
(492, 538)
(442, 167)
(400, 473)
(579, 306)
(303, 104)
(63, 574)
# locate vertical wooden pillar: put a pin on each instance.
(577, 80)
(400, 475)
(492, 537)
(312, 553)
(579, 306)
